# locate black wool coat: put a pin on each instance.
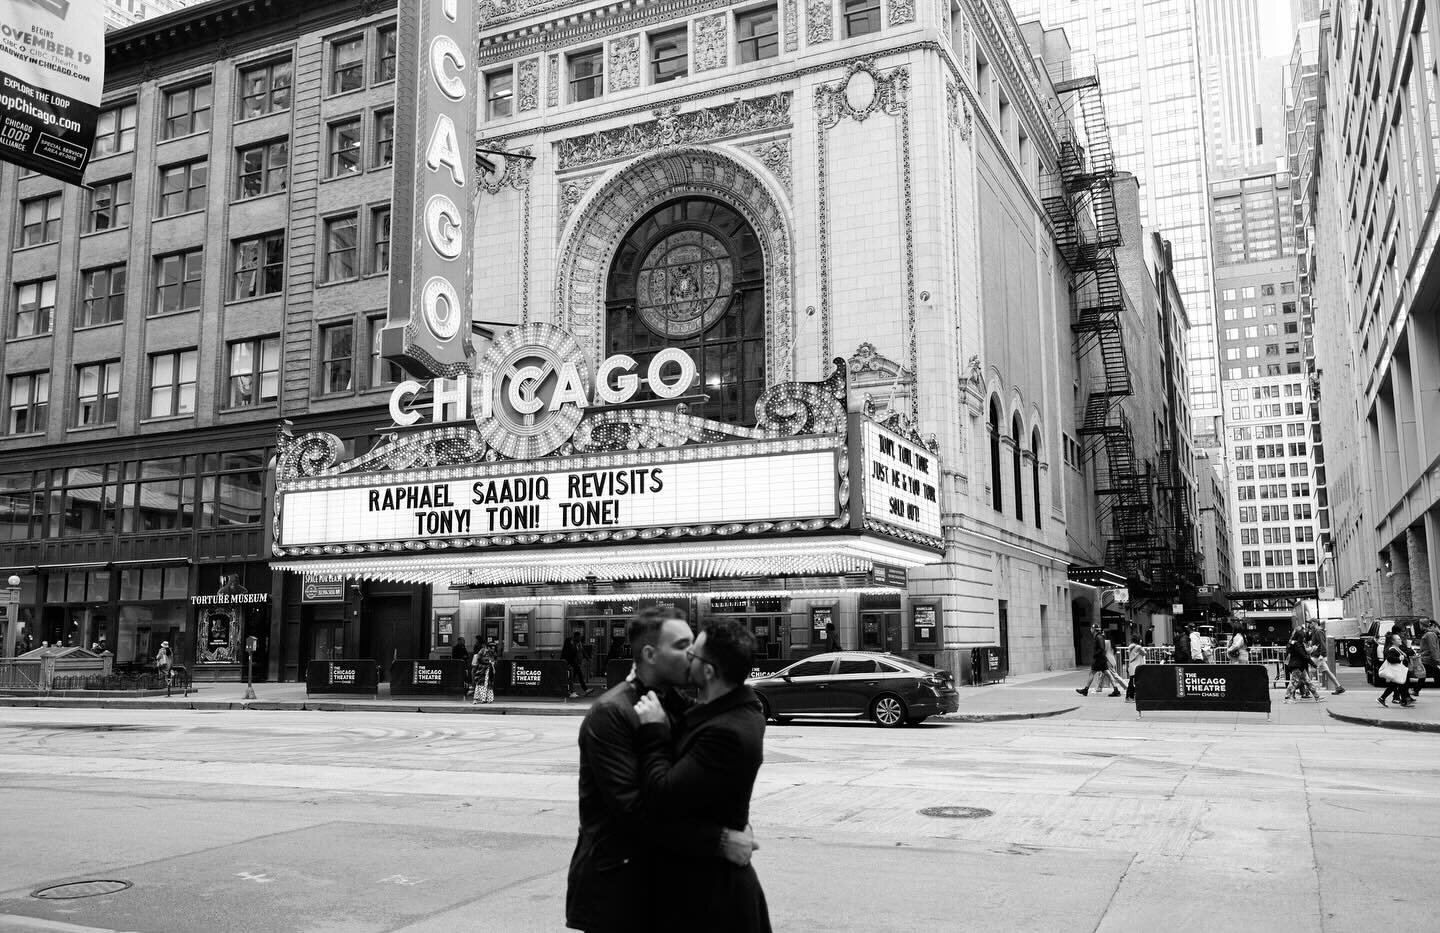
(612, 871)
(708, 775)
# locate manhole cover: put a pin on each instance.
(73, 889)
(957, 813)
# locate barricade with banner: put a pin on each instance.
(355, 676)
(441, 677)
(1243, 688)
(532, 678)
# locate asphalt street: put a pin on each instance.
(357, 821)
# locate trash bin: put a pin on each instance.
(986, 666)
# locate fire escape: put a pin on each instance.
(1176, 569)
(1079, 200)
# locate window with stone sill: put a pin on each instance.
(259, 266)
(342, 248)
(187, 111)
(102, 296)
(115, 130)
(252, 372)
(757, 34)
(586, 74)
(40, 219)
(861, 17)
(262, 169)
(172, 383)
(265, 88)
(344, 148)
(669, 55)
(108, 205)
(337, 358)
(499, 94)
(384, 138)
(347, 64)
(34, 311)
(28, 401)
(183, 188)
(97, 394)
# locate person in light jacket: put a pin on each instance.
(1134, 658)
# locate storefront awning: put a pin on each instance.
(838, 554)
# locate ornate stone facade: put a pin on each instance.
(630, 193)
(775, 153)
(860, 94)
(902, 12)
(527, 92)
(624, 63)
(712, 42)
(819, 21)
(672, 128)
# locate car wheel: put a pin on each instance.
(888, 711)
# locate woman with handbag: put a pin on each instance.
(1297, 665)
(1237, 652)
(482, 665)
(1394, 671)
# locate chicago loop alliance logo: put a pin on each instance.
(533, 385)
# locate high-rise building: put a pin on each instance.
(1147, 57)
(1244, 121)
(1377, 327)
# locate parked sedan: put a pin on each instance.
(856, 685)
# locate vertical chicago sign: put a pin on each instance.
(428, 327)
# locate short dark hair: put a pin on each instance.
(645, 628)
(730, 648)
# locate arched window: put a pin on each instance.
(997, 496)
(1035, 471)
(691, 275)
(1015, 441)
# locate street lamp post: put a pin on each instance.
(12, 617)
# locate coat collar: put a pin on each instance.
(740, 696)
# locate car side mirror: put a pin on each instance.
(785, 677)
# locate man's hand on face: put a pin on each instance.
(736, 846)
(650, 711)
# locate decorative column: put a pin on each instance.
(1419, 550)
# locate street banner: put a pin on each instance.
(357, 676)
(1243, 688)
(52, 72)
(531, 678)
(440, 677)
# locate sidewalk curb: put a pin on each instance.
(1400, 724)
(480, 710)
(1003, 717)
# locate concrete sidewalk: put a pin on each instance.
(994, 703)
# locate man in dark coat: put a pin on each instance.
(1182, 644)
(708, 775)
(610, 880)
(570, 654)
(831, 642)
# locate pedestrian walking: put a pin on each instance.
(1394, 671)
(708, 774)
(1297, 666)
(458, 651)
(1430, 650)
(482, 673)
(1197, 647)
(1134, 657)
(831, 642)
(574, 673)
(1100, 663)
(1237, 651)
(164, 662)
(609, 885)
(1316, 642)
